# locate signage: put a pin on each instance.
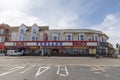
(1, 46)
(19, 44)
(79, 43)
(91, 43)
(33, 47)
(49, 44)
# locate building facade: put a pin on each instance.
(39, 40)
(5, 35)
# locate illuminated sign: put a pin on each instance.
(49, 43)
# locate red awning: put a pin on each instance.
(2, 46)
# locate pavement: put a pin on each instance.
(58, 68)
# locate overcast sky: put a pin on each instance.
(103, 15)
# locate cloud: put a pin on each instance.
(13, 4)
(110, 26)
(61, 13)
(15, 18)
(55, 13)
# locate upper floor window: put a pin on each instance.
(1, 31)
(34, 38)
(103, 39)
(21, 38)
(22, 31)
(95, 37)
(34, 31)
(2, 39)
(45, 36)
(69, 37)
(81, 37)
(55, 38)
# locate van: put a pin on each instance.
(15, 52)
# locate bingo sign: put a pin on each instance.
(49, 43)
(79, 43)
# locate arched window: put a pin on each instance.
(81, 37)
(55, 36)
(68, 37)
(45, 36)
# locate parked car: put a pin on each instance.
(15, 52)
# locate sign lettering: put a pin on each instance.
(49, 43)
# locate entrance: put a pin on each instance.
(55, 52)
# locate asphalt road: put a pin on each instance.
(58, 68)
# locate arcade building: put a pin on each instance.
(38, 40)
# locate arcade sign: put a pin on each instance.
(49, 43)
(79, 43)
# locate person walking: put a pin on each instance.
(48, 53)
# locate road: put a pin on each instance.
(58, 68)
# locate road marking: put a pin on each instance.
(39, 72)
(66, 70)
(62, 75)
(98, 69)
(61, 69)
(12, 70)
(27, 69)
(58, 70)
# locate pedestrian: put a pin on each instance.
(97, 55)
(40, 53)
(48, 53)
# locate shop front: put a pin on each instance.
(2, 49)
(56, 48)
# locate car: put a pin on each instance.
(15, 52)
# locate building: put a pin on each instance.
(5, 35)
(39, 39)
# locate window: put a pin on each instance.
(21, 31)
(92, 38)
(21, 38)
(2, 39)
(34, 38)
(1, 31)
(95, 37)
(46, 38)
(34, 31)
(69, 37)
(81, 37)
(55, 38)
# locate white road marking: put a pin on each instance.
(27, 69)
(101, 68)
(65, 69)
(12, 70)
(39, 72)
(62, 75)
(58, 70)
(98, 69)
